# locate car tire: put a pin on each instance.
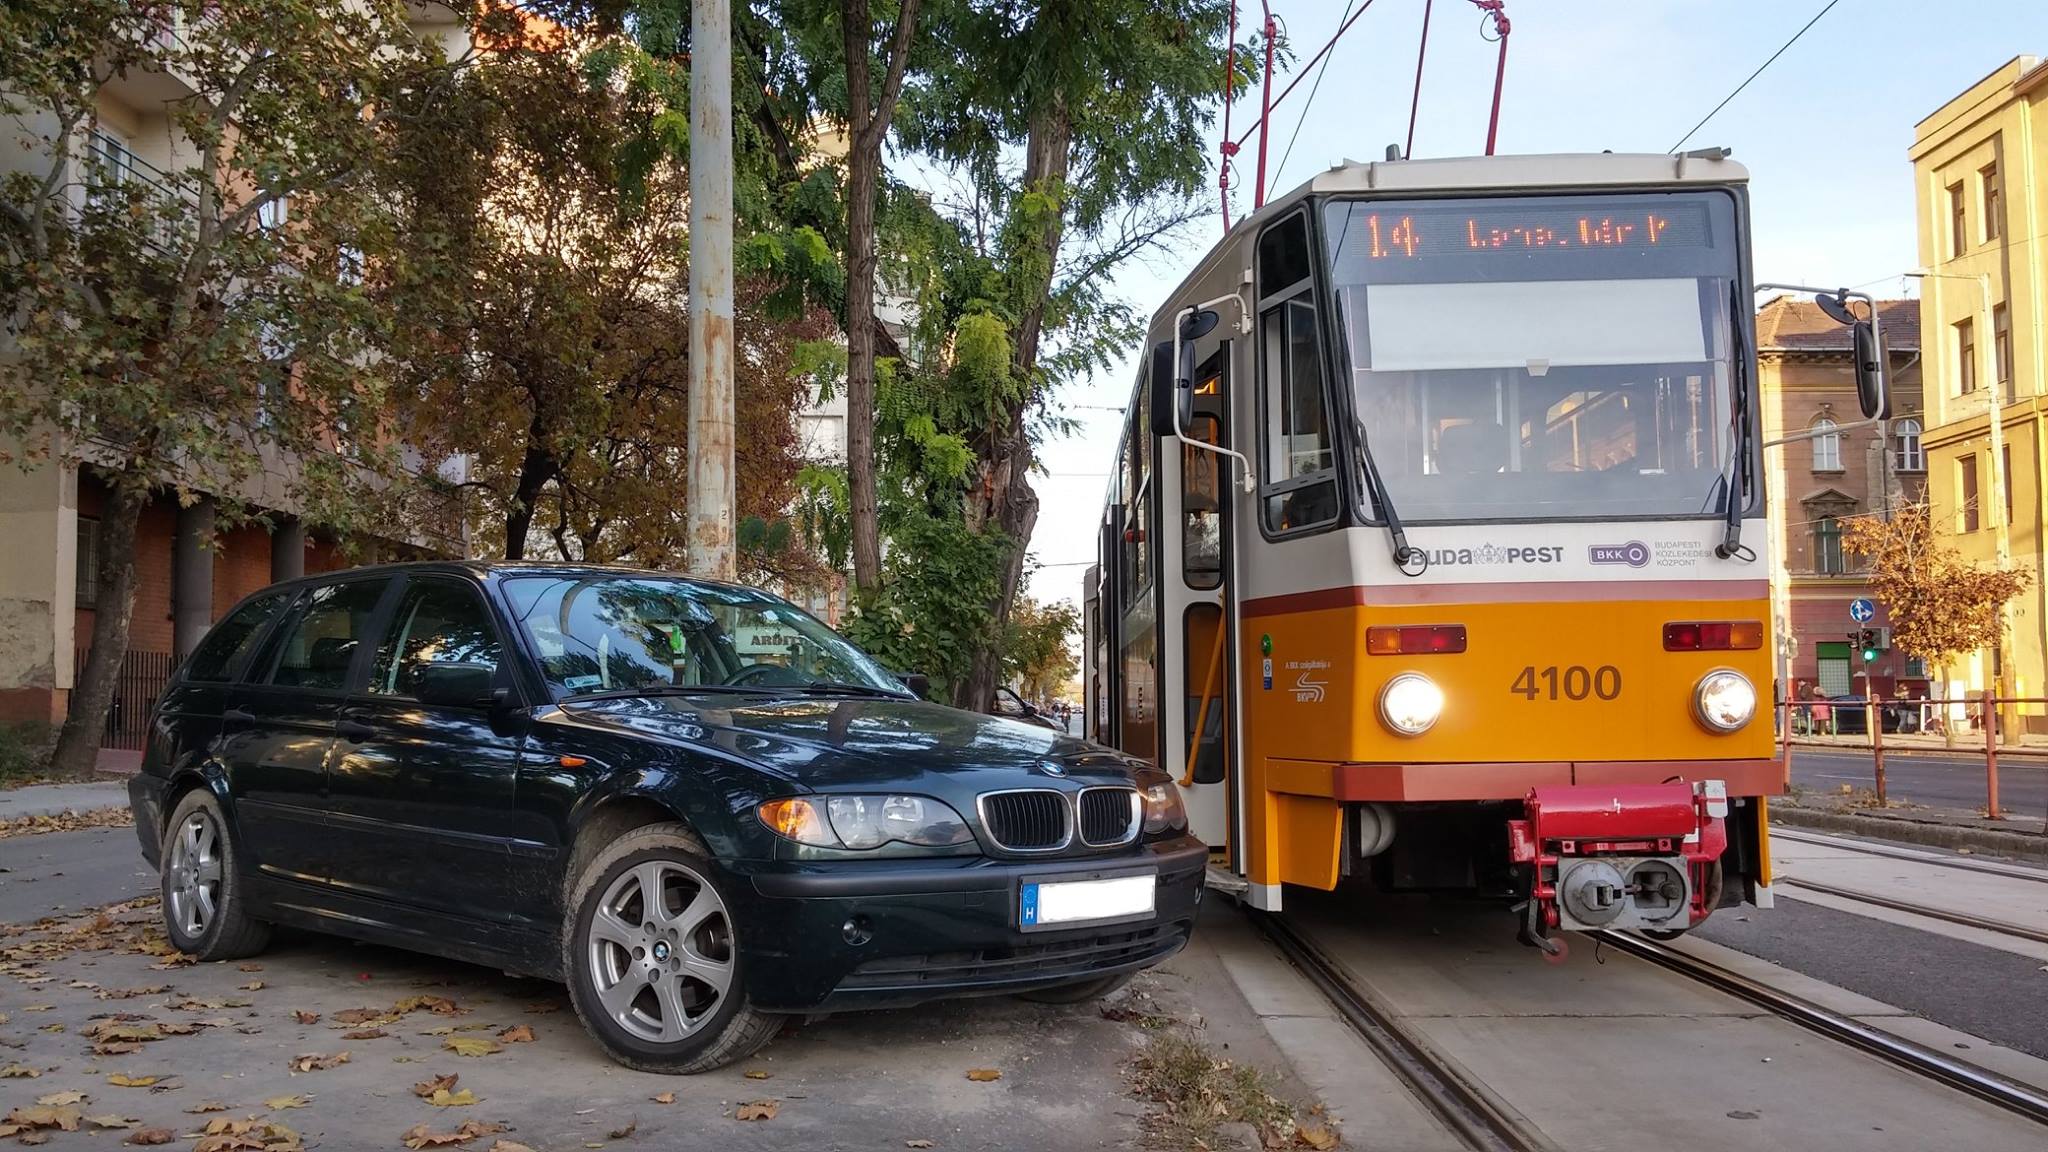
(204, 909)
(1079, 992)
(634, 972)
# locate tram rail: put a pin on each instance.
(1945, 915)
(1986, 867)
(1986, 1085)
(1465, 1106)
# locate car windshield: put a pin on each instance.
(598, 633)
(1540, 357)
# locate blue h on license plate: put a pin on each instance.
(1043, 903)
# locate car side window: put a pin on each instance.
(227, 645)
(437, 622)
(317, 647)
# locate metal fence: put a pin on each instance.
(143, 676)
(1975, 724)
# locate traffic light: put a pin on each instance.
(1867, 641)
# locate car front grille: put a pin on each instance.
(1032, 820)
(1150, 943)
(1108, 816)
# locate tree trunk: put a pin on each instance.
(92, 692)
(534, 470)
(862, 173)
(1005, 501)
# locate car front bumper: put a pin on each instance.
(823, 938)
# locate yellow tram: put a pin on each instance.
(1434, 554)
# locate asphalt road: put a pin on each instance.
(1935, 779)
(60, 872)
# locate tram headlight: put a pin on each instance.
(1410, 703)
(1724, 701)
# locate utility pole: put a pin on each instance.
(711, 494)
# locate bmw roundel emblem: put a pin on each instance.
(1052, 769)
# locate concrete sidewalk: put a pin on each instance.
(2015, 835)
(52, 799)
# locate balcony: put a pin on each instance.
(147, 87)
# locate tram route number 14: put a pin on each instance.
(1573, 683)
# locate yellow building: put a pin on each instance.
(1980, 172)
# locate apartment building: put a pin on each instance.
(1979, 173)
(1808, 382)
(189, 569)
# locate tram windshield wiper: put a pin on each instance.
(1732, 490)
(1405, 554)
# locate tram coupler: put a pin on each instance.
(1640, 856)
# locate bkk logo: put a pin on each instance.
(1635, 553)
(1494, 554)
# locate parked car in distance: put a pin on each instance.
(1009, 704)
(690, 801)
(1851, 715)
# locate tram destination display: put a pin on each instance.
(1415, 232)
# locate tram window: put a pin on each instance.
(1299, 459)
(1136, 546)
(1201, 511)
(1283, 255)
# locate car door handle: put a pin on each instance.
(354, 731)
(238, 716)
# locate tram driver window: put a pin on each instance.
(1300, 468)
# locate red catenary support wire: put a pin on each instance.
(1229, 88)
(1271, 101)
(1497, 9)
(1266, 106)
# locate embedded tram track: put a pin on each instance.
(1964, 919)
(2023, 1099)
(1465, 1106)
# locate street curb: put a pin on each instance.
(1893, 749)
(1912, 831)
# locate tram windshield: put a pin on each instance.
(1541, 357)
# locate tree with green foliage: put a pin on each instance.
(1039, 652)
(194, 324)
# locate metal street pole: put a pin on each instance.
(711, 494)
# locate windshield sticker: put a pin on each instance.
(579, 683)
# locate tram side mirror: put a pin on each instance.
(1160, 377)
(1193, 327)
(1870, 389)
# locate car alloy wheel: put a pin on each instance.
(194, 875)
(660, 951)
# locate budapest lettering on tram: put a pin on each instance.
(1435, 553)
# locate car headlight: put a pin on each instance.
(1724, 701)
(1163, 809)
(864, 821)
(1410, 703)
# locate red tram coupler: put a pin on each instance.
(1686, 820)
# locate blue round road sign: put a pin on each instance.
(1861, 610)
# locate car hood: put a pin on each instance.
(849, 742)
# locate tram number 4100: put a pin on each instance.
(1573, 683)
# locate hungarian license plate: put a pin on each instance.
(1049, 903)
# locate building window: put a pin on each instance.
(1827, 547)
(1966, 493)
(2005, 478)
(1827, 446)
(87, 590)
(2001, 347)
(271, 214)
(1966, 358)
(1958, 236)
(1992, 194)
(1912, 458)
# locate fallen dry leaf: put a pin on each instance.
(438, 1005)
(19, 1072)
(151, 1136)
(445, 1083)
(664, 1098)
(1316, 1136)
(420, 1136)
(517, 1034)
(983, 1075)
(361, 1016)
(470, 1045)
(59, 1099)
(305, 1017)
(205, 1106)
(116, 1048)
(443, 1098)
(123, 1080)
(280, 1103)
(249, 967)
(315, 1062)
(757, 1110)
(111, 1122)
(41, 1116)
(631, 1127)
(251, 986)
(507, 1146)
(918, 1144)
(758, 1074)
(365, 1034)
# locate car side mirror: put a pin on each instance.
(917, 682)
(455, 685)
(1871, 393)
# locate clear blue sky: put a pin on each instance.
(1823, 131)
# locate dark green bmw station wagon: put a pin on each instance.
(690, 801)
